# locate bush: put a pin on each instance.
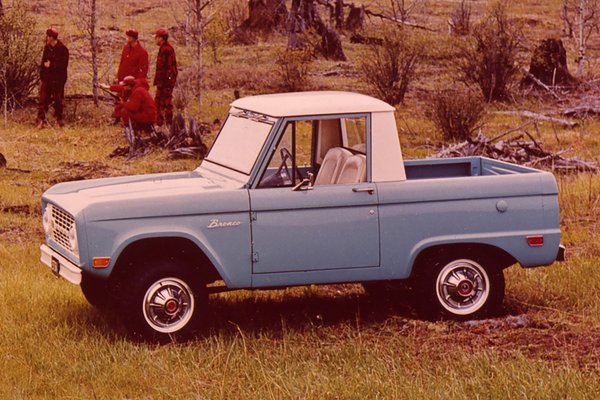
(489, 59)
(457, 113)
(460, 19)
(19, 53)
(389, 67)
(293, 67)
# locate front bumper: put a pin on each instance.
(561, 256)
(60, 265)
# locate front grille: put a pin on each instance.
(62, 222)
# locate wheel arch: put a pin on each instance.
(152, 248)
(501, 258)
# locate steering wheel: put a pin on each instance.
(284, 168)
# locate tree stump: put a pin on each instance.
(304, 15)
(356, 18)
(549, 64)
(266, 16)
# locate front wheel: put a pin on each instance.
(461, 288)
(165, 304)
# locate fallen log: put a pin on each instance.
(540, 117)
(581, 111)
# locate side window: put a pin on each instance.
(356, 133)
(291, 159)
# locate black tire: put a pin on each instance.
(164, 302)
(96, 291)
(459, 287)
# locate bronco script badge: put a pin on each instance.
(215, 223)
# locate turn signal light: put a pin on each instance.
(101, 262)
(535, 241)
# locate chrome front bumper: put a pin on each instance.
(60, 266)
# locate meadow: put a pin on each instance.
(329, 342)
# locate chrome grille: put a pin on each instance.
(62, 222)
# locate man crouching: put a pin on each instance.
(139, 110)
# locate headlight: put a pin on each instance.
(73, 240)
(47, 220)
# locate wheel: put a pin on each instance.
(96, 291)
(460, 288)
(164, 303)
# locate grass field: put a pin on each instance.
(330, 342)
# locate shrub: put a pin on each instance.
(457, 113)
(460, 19)
(293, 67)
(489, 59)
(19, 53)
(389, 67)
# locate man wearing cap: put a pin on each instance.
(165, 77)
(53, 76)
(139, 109)
(134, 58)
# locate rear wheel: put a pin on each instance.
(460, 288)
(165, 303)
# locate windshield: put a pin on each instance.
(240, 141)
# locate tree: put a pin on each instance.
(19, 56)
(86, 19)
(195, 22)
(581, 19)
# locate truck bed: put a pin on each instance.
(432, 168)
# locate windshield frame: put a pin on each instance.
(247, 116)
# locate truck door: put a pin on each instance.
(335, 224)
(327, 228)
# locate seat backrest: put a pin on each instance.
(332, 165)
(354, 170)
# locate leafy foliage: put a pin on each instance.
(19, 70)
(489, 59)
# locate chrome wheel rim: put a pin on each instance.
(462, 287)
(168, 305)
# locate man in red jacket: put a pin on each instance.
(134, 58)
(165, 77)
(53, 76)
(139, 109)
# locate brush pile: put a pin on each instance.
(182, 141)
(517, 150)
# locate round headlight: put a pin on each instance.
(73, 240)
(47, 220)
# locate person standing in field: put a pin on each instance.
(165, 77)
(53, 76)
(134, 58)
(134, 62)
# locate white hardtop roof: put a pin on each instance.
(311, 103)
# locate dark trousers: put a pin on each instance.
(164, 105)
(51, 92)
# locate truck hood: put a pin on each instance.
(140, 195)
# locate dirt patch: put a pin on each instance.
(338, 310)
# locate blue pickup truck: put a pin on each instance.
(299, 189)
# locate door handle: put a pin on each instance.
(369, 190)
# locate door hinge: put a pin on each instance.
(253, 216)
(255, 257)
